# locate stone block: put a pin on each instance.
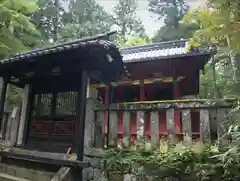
(88, 173)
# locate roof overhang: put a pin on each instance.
(99, 57)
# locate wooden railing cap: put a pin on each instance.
(171, 104)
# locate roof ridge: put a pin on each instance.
(97, 37)
(153, 45)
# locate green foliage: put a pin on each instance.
(182, 164)
(172, 11)
(133, 41)
(49, 19)
(85, 18)
(167, 33)
(17, 32)
(218, 27)
(13, 98)
(126, 20)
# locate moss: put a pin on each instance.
(175, 104)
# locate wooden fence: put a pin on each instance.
(141, 109)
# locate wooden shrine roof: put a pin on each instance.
(164, 50)
(94, 54)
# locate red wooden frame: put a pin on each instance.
(162, 115)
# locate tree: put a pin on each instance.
(85, 18)
(171, 10)
(17, 32)
(219, 28)
(167, 33)
(126, 20)
(49, 19)
(133, 41)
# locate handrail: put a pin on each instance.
(174, 104)
(47, 160)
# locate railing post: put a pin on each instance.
(4, 125)
(222, 127)
(171, 126)
(204, 126)
(187, 127)
(12, 127)
(90, 117)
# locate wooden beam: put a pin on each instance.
(47, 160)
(171, 104)
(137, 82)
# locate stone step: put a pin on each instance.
(6, 177)
(25, 173)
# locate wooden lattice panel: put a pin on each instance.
(41, 128)
(63, 128)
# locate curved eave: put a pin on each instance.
(97, 55)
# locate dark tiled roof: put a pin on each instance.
(91, 41)
(99, 53)
(162, 50)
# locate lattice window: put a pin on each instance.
(42, 104)
(66, 103)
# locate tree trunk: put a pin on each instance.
(217, 93)
(232, 55)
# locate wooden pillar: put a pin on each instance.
(110, 97)
(141, 121)
(27, 121)
(176, 96)
(3, 98)
(13, 127)
(23, 114)
(142, 91)
(106, 101)
(90, 114)
(121, 99)
(80, 123)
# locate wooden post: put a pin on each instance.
(141, 118)
(4, 125)
(90, 115)
(187, 127)
(27, 118)
(3, 98)
(106, 101)
(23, 115)
(204, 126)
(108, 119)
(170, 126)
(14, 125)
(176, 95)
(142, 91)
(80, 124)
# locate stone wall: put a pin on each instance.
(95, 157)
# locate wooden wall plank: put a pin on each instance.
(171, 126)
(204, 126)
(140, 128)
(187, 127)
(126, 129)
(99, 129)
(154, 129)
(113, 128)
